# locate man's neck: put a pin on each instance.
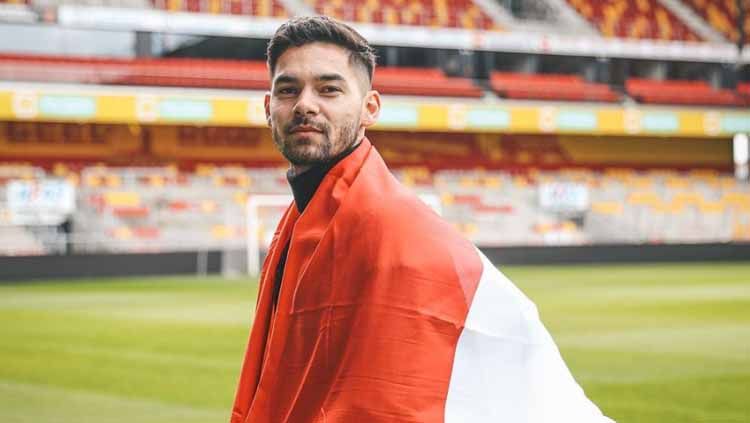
(304, 180)
(295, 170)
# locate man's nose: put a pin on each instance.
(306, 103)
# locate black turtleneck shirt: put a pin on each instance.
(304, 186)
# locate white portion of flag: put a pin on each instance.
(507, 368)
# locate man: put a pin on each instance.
(371, 308)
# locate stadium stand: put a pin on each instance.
(550, 87)
(723, 15)
(438, 13)
(489, 185)
(634, 19)
(261, 8)
(136, 209)
(681, 92)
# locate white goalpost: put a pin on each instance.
(259, 223)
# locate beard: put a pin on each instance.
(304, 150)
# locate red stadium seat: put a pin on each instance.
(131, 212)
(743, 89)
(680, 92)
(550, 87)
(419, 81)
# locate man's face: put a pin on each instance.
(319, 103)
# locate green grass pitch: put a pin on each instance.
(649, 343)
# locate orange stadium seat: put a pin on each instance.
(680, 92)
(421, 81)
(131, 212)
(723, 15)
(634, 19)
(550, 87)
(743, 89)
(433, 13)
(146, 232)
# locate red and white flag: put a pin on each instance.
(387, 314)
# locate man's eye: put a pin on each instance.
(286, 90)
(330, 89)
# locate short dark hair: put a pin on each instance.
(311, 29)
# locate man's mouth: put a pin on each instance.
(304, 129)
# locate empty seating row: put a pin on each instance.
(681, 92)
(423, 81)
(550, 87)
(210, 74)
(162, 72)
(393, 81)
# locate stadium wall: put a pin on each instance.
(108, 265)
(212, 262)
(46, 143)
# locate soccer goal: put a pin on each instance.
(263, 214)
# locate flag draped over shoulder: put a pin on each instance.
(386, 314)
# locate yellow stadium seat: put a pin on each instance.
(204, 169)
(639, 182)
(208, 206)
(646, 198)
(470, 228)
(240, 198)
(112, 181)
(736, 199)
(607, 207)
(221, 232)
(693, 198)
(712, 207)
(677, 183)
(157, 180)
(568, 226)
(122, 232)
(520, 182)
(93, 181)
(468, 182)
(727, 182)
(122, 199)
(491, 182)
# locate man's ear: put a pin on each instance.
(267, 106)
(370, 109)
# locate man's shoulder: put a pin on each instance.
(397, 222)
